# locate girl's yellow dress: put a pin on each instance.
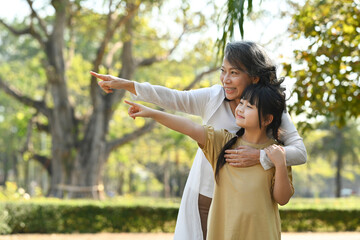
(242, 207)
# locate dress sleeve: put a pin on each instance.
(294, 146)
(214, 143)
(192, 101)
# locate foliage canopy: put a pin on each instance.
(327, 70)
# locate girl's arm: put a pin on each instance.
(282, 190)
(174, 122)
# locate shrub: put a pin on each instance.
(84, 218)
(56, 216)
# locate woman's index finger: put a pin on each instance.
(100, 76)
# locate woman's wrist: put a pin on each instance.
(126, 85)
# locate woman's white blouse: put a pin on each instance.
(209, 104)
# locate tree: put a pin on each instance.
(339, 146)
(327, 80)
(80, 145)
(327, 70)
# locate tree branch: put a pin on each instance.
(29, 30)
(44, 161)
(131, 136)
(199, 77)
(101, 50)
(112, 51)
(154, 59)
(28, 147)
(110, 30)
(42, 127)
(35, 15)
(38, 105)
(28, 144)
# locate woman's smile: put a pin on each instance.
(230, 90)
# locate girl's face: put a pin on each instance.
(234, 80)
(247, 115)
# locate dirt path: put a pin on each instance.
(168, 236)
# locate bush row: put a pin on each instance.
(66, 218)
(326, 220)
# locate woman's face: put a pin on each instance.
(234, 80)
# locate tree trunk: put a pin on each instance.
(121, 180)
(5, 164)
(166, 177)
(90, 159)
(339, 161)
(62, 121)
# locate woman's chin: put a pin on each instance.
(231, 97)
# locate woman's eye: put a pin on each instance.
(233, 72)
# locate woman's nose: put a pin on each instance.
(227, 78)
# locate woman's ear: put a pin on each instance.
(255, 80)
(268, 119)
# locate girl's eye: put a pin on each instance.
(249, 106)
(233, 72)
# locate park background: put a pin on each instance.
(63, 138)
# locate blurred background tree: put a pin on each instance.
(59, 129)
(327, 86)
(65, 102)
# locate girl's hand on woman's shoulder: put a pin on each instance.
(276, 154)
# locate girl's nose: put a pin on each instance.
(239, 108)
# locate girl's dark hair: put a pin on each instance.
(252, 57)
(270, 100)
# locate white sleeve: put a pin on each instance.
(192, 101)
(294, 146)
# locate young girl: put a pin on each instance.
(245, 200)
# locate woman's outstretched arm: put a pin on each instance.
(174, 122)
(193, 102)
(108, 83)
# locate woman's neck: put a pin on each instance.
(256, 136)
(233, 105)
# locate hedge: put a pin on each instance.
(19, 217)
